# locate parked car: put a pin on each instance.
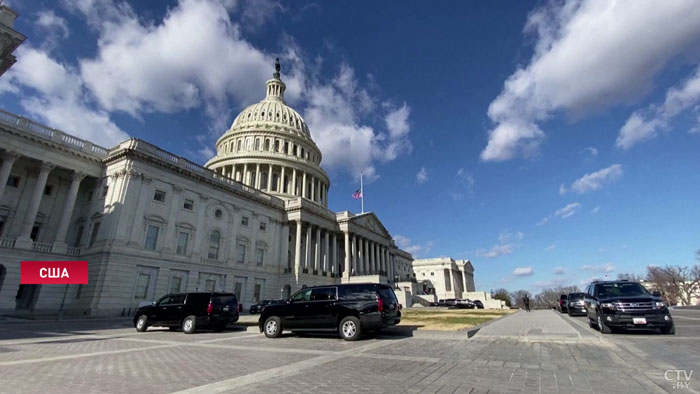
(574, 304)
(478, 304)
(434, 304)
(562, 305)
(256, 308)
(625, 304)
(463, 304)
(349, 309)
(450, 302)
(190, 311)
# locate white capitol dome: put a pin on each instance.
(269, 147)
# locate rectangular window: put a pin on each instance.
(35, 232)
(159, 195)
(244, 221)
(3, 220)
(260, 256)
(142, 281)
(237, 289)
(175, 283)
(151, 237)
(256, 292)
(105, 189)
(241, 253)
(188, 205)
(93, 234)
(78, 292)
(209, 285)
(78, 236)
(13, 181)
(263, 226)
(182, 239)
(48, 189)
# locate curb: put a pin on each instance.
(474, 330)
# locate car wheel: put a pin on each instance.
(142, 323)
(604, 329)
(189, 325)
(349, 328)
(592, 323)
(669, 330)
(273, 327)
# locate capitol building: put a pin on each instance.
(254, 220)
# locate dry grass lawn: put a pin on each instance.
(443, 319)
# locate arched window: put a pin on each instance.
(284, 184)
(275, 179)
(267, 144)
(214, 244)
(239, 144)
(277, 145)
(263, 180)
(257, 144)
(302, 153)
(294, 150)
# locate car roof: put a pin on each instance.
(347, 285)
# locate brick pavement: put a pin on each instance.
(539, 352)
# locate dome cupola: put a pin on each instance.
(269, 147)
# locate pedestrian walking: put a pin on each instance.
(526, 301)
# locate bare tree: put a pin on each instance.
(548, 298)
(630, 277)
(503, 295)
(677, 284)
(517, 298)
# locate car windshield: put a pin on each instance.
(575, 296)
(387, 293)
(621, 289)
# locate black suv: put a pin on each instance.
(256, 308)
(190, 311)
(574, 304)
(351, 309)
(563, 304)
(626, 304)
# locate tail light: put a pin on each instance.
(380, 305)
(400, 306)
(210, 308)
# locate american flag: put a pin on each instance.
(357, 194)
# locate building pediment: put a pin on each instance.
(370, 222)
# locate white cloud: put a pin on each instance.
(405, 244)
(523, 271)
(422, 175)
(550, 248)
(646, 124)
(595, 180)
(562, 189)
(507, 242)
(564, 213)
(559, 271)
(58, 97)
(54, 25)
(568, 211)
(464, 185)
(589, 55)
(546, 284)
(595, 210)
(591, 150)
(603, 268)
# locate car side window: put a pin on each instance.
(304, 295)
(174, 299)
(323, 294)
(163, 300)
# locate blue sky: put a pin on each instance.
(547, 142)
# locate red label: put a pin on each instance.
(54, 273)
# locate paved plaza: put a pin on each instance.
(537, 352)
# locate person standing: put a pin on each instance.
(526, 301)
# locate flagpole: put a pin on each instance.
(362, 194)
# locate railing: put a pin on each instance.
(212, 262)
(7, 243)
(41, 247)
(145, 147)
(71, 251)
(55, 135)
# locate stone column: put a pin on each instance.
(297, 250)
(24, 241)
(269, 178)
(8, 159)
(59, 244)
(283, 184)
(365, 256)
(303, 185)
(257, 176)
(245, 174)
(353, 260)
(333, 257)
(284, 253)
(313, 189)
(317, 250)
(346, 273)
(294, 181)
(326, 254)
(170, 240)
(307, 261)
